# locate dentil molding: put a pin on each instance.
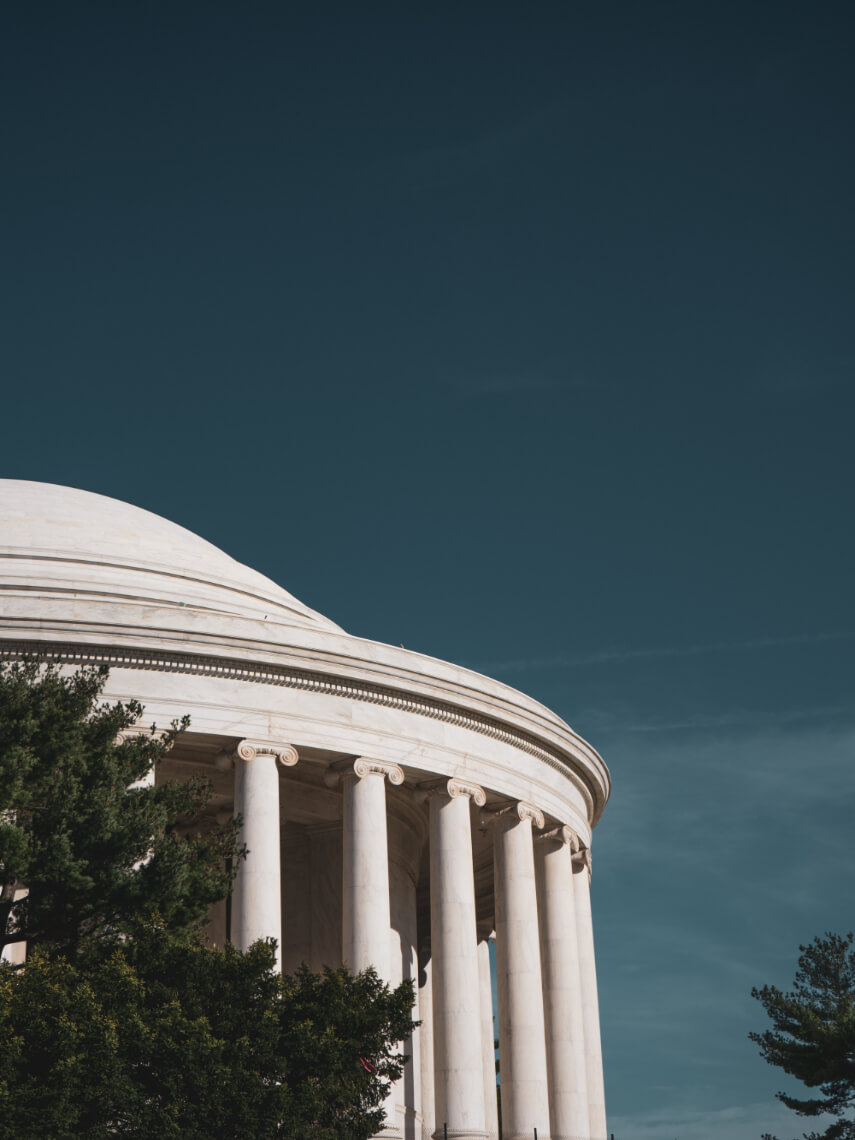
(165, 661)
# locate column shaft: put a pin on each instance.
(562, 990)
(257, 901)
(522, 1047)
(366, 925)
(454, 951)
(365, 875)
(590, 1006)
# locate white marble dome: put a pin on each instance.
(87, 577)
(61, 543)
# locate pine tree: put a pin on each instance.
(814, 1033)
(92, 854)
(123, 1022)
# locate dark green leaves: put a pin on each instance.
(93, 855)
(123, 1022)
(813, 1038)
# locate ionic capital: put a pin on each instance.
(364, 766)
(249, 750)
(529, 811)
(520, 810)
(582, 861)
(133, 732)
(475, 792)
(360, 768)
(563, 835)
(453, 788)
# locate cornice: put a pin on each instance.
(287, 676)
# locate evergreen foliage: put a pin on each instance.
(813, 1038)
(93, 854)
(123, 1022)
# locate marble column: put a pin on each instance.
(590, 1006)
(522, 1041)
(562, 989)
(488, 1033)
(458, 1069)
(217, 932)
(133, 732)
(257, 898)
(366, 917)
(147, 780)
(15, 952)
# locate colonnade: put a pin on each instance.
(548, 1020)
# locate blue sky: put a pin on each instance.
(522, 337)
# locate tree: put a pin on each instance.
(814, 1032)
(92, 854)
(175, 1041)
(338, 1030)
(123, 1021)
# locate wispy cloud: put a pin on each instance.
(683, 790)
(736, 1122)
(745, 720)
(619, 655)
(717, 856)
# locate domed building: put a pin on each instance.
(399, 811)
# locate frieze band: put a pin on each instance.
(197, 664)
